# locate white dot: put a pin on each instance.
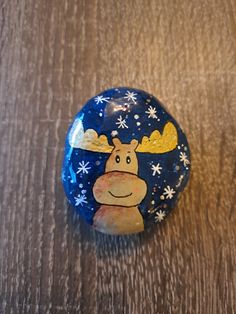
(153, 202)
(97, 162)
(178, 147)
(136, 116)
(138, 123)
(83, 191)
(162, 197)
(81, 185)
(100, 114)
(114, 133)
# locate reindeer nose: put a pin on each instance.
(119, 188)
(126, 160)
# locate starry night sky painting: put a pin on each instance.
(125, 162)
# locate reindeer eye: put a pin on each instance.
(128, 160)
(117, 158)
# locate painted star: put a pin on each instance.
(131, 96)
(83, 167)
(183, 157)
(151, 112)
(80, 199)
(156, 169)
(159, 216)
(121, 123)
(101, 99)
(169, 192)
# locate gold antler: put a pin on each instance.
(88, 140)
(158, 143)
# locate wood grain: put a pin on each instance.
(54, 55)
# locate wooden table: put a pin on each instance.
(54, 55)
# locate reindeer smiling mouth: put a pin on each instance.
(120, 196)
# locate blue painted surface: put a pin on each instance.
(128, 114)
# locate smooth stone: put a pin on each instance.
(126, 160)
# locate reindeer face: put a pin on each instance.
(123, 157)
(120, 184)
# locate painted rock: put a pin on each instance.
(126, 161)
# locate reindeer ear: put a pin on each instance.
(134, 144)
(116, 142)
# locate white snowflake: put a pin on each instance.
(151, 112)
(121, 123)
(156, 169)
(101, 99)
(159, 216)
(169, 192)
(183, 157)
(83, 167)
(80, 199)
(131, 96)
(114, 133)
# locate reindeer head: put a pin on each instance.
(123, 157)
(120, 184)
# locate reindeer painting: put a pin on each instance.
(120, 190)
